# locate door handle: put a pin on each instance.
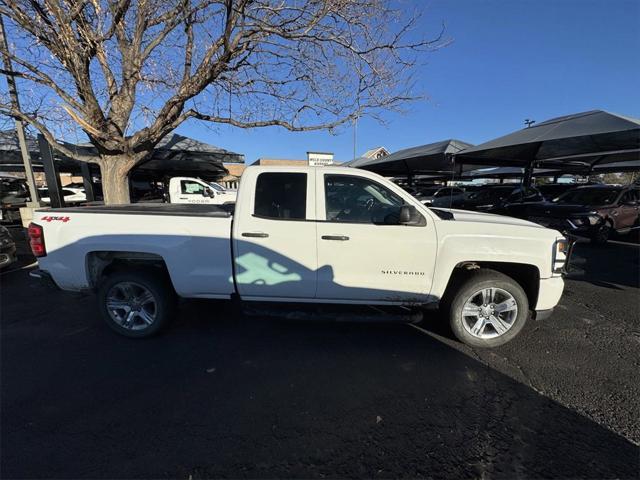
(255, 234)
(340, 238)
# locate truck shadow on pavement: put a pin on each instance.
(221, 395)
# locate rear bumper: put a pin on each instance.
(45, 278)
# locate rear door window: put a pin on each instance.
(281, 196)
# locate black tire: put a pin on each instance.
(464, 291)
(164, 302)
(602, 234)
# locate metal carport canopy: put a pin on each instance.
(433, 158)
(506, 172)
(11, 158)
(174, 155)
(582, 139)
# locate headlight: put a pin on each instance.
(593, 219)
(559, 257)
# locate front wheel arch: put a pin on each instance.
(526, 275)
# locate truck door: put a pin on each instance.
(363, 252)
(191, 191)
(275, 236)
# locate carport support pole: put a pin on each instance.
(528, 175)
(50, 173)
(13, 94)
(86, 181)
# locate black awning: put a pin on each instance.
(175, 155)
(583, 139)
(433, 158)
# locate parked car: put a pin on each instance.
(13, 195)
(305, 235)
(593, 211)
(551, 191)
(194, 190)
(70, 195)
(518, 202)
(7, 248)
(442, 196)
(484, 198)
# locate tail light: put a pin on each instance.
(36, 240)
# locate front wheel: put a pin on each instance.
(136, 303)
(489, 309)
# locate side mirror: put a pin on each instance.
(406, 212)
(207, 192)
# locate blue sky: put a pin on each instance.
(509, 60)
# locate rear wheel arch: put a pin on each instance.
(101, 264)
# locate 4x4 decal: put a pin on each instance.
(50, 219)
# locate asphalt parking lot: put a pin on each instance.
(223, 395)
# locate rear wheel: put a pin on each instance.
(136, 303)
(488, 309)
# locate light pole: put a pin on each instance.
(355, 135)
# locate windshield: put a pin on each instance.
(589, 196)
(217, 187)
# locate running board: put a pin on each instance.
(334, 313)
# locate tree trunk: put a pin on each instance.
(115, 170)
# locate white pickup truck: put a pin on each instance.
(194, 190)
(305, 234)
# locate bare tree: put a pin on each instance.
(129, 72)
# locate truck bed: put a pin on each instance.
(171, 209)
(192, 240)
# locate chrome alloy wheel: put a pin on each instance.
(131, 305)
(489, 313)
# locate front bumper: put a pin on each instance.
(549, 293)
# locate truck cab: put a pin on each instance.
(194, 190)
